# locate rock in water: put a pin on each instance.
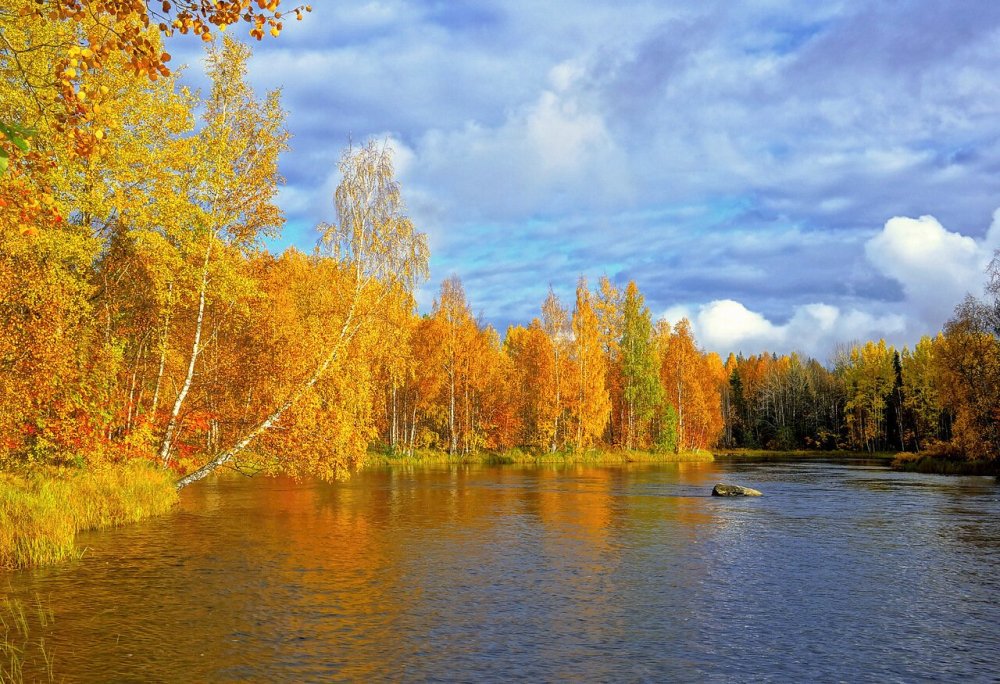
(733, 490)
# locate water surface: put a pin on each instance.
(841, 572)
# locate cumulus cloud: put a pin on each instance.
(734, 154)
(727, 326)
(550, 155)
(935, 267)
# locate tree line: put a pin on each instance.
(594, 376)
(603, 375)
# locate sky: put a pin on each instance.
(789, 177)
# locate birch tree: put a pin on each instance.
(593, 404)
(234, 185)
(376, 243)
(556, 323)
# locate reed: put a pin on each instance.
(41, 511)
(23, 655)
(618, 457)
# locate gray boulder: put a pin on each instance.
(733, 490)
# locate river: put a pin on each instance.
(841, 572)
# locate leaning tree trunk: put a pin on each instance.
(271, 420)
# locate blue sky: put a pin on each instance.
(788, 177)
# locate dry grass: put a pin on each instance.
(517, 456)
(41, 511)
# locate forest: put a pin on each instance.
(143, 319)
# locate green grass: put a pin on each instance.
(379, 459)
(41, 511)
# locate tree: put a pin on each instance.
(593, 404)
(96, 235)
(429, 381)
(234, 185)
(642, 392)
(486, 420)
(869, 376)
(608, 307)
(555, 322)
(452, 311)
(967, 359)
(530, 352)
(692, 382)
(395, 366)
(94, 34)
(921, 400)
(377, 245)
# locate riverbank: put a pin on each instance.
(931, 464)
(42, 510)
(381, 459)
(926, 463)
(770, 455)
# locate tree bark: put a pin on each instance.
(171, 431)
(163, 351)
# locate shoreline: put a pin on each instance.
(790, 454)
(908, 462)
(42, 510)
(928, 464)
(382, 459)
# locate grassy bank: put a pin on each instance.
(933, 464)
(41, 511)
(777, 454)
(380, 459)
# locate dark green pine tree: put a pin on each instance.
(894, 418)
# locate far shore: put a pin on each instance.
(944, 465)
(785, 454)
(923, 462)
(378, 459)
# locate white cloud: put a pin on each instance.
(675, 313)
(568, 133)
(726, 325)
(563, 75)
(935, 267)
(403, 157)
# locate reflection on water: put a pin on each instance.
(840, 572)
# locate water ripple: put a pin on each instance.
(839, 573)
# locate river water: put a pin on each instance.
(841, 572)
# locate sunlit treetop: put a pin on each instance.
(95, 31)
(122, 24)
